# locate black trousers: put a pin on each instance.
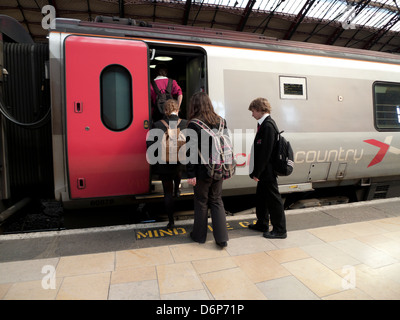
(170, 186)
(208, 194)
(269, 205)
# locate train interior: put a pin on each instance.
(187, 66)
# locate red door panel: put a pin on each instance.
(104, 160)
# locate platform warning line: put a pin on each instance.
(182, 230)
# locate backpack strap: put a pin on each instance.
(202, 125)
(155, 87)
(165, 124)
(168, 89)
(221, 125)
(270, 120)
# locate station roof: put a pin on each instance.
(364, 24)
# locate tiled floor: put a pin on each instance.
(353, 261)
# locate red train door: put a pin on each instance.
(107, 113)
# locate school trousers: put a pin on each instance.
(208, 194)
(269, 205)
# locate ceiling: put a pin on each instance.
(372, 24)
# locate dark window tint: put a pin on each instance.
(116, 97)
(387, 106)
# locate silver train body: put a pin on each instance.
(339, 107)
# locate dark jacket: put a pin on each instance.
(198, 169)
(168, 170)
(261, 151)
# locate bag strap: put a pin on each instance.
(165, 124)
(215, 137)
(270, 120)
(202, 125)
(167, 89)
(169, 86)
(155, 87)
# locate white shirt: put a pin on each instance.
(261, 120)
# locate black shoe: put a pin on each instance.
(258, 227)
(222, 244)
(275, 235)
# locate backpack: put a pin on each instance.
(172, 142)
(221, 163)
(162, 96)
(282, 154)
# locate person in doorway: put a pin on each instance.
(170, 173)
(269, 203)
(207, 190)
(166, 86)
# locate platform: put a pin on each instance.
(349, 251)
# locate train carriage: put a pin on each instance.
(339, 107)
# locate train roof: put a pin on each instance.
(130, 28)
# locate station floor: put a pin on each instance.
(345, 252)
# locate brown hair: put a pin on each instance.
(162, 70)
(201, 107)
(260, 104)
(171, 105)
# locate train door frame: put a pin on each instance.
(185, 57)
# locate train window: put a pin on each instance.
(116, 97)
(293, 88)
(387, 106)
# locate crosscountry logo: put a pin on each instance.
(384, 147)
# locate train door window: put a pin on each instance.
(116, 97)
(387, 106)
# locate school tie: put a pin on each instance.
(258, 127)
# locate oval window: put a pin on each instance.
(116, 97)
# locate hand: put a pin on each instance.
(256, 179)
(192, 181)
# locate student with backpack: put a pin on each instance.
(268, 199)
(207, 186)
(170, 171)
(163, 88)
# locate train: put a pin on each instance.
(339, 107)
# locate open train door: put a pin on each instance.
(107, 116)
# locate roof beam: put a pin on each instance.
(89, 10)
(378, 35)
(338, 32)
(185, 18)
(21, 9)
(245, 15)
(300, 16)
(121, 8)
(268, 18)
(215, 14)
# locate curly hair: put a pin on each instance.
(171, 105)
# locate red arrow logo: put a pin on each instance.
(381, 153)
